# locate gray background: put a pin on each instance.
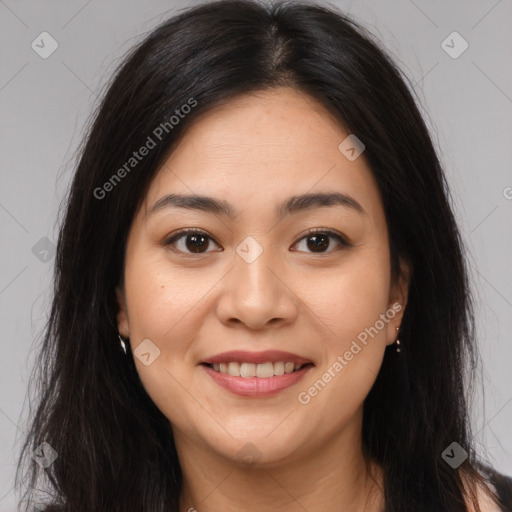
(467, 102)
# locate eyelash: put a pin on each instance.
(343, 242)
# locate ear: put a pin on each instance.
(398, 296)
(122, 315)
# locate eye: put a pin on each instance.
(191, 241)
(194, 241)
(318, 240)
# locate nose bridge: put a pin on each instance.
(255, 293)
(252, 266)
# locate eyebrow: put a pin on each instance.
(292, 205)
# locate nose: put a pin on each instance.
(257, 294)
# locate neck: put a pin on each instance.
(332, 473)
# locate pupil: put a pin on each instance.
(198, 242)
(320, 242)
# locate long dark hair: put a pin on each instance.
(115, 450)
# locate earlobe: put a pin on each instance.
(122, 316)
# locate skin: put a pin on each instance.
(255, 151)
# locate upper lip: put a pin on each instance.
(266, 356)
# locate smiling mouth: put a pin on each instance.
(262, 371)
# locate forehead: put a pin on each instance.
(271, 126)
(262, 147)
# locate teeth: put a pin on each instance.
(247, 370)
(289, 367)
(234, 369)
(279, 368)
(262, 371)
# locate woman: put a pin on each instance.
(261, 299)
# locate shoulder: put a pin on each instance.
(501, 486)
(485, 502)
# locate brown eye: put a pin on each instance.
(320, 241)
(190, 241)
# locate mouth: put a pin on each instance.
(256, 374)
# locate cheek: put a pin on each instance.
(357, 297)
(350, 297)
(158, 303)
(351, 302)
(164, 306)
(159, 295)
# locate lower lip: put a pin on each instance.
(255, 386)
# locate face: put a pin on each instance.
(261, 272)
